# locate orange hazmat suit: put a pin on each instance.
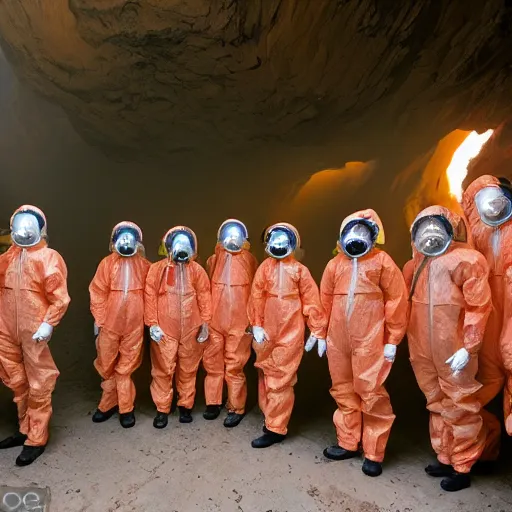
(365, 300)
(229, 347)
(178, 300)
(33, 290)
(283, 294)
(117, 304)
(495, 358)
(450, 305)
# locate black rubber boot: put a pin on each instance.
(127, 419)
(100, 416)
(185, 415)
(13, 441)
(212, 412)
(233, 419)
(268, 439)
(372, 468)
(338, 453)
(161, 420)
(439, 470)
(456, 482)
(29, 454)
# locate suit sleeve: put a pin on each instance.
(56, 289)
(394, 289)
(151, 296)
(473, 279)
(312, 307)
(210, 264)
(327, 288)
(204, 297)
(257, 299)
(98, 291)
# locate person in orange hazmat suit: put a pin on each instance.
(450, 304)
(364, 295)
(177, 311)
(231, 270)
(33, 300)
(487, 204)
(117, 305)
(283, 293)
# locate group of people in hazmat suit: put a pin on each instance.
(452, 301)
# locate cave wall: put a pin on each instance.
(174, 76)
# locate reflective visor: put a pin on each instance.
(232, 236)
(180, 244)
(494, 205)
(432, 235)
(126, 241)
(358, 237)
(280, 242)
(26, 229)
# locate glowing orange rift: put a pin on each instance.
(457, 171)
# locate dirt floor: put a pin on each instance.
(205, 467)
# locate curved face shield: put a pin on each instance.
(494, 205)
(281, 242)
(232, 236)
(126, 242)
(26, 229)
(358, 238)
(181, 246)
(432, 236)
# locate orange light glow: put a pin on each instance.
(457, 171)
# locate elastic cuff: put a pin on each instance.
(444, 460)
(187, 405)
(373, 458)
(276, 430)
(342, 443)
(32, 443)
(463, 469)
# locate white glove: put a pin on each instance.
(259, 334)
(459, 360)
(156, 333)
(389, 352)
(96, 329)
(203, 334)
(43, 333)
(322, 345)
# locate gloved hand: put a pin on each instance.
(43, 333)
(259, 334)
(312, 340)
(389, 352)
(156, 333)
(203, 334)
(459, 360)
(96, 329)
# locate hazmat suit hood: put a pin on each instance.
(132, 248)
(474, 196)
(455, 224)
(359, 233)
(269, 238)
(42, 235)
(187, 251)
(233, 236)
